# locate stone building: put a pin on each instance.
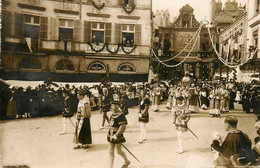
(76, 40)
(221, 16)
(253, 34)
(174, 38)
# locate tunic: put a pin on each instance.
(143, 110)
(116, 120)
(67, 110)
(182, 117)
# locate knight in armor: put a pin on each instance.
(181, 118)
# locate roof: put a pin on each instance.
(228, 17)
(187, 7)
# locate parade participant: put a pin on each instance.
(224, 99)
(170, 97)
(232, 98)
(193, 99)
(246, 96)
(143, 115)
(67, 110)
(181, 118)
(214, 97)
(236, 145)
(115, 135)
(105, 106)
(156, 97)
(186, 80)
(83, 129)
(238, 97)
(124, 102)
(204, 93)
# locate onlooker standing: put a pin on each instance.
(246, 96)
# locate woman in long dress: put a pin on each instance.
(11, 107)
(83, 128)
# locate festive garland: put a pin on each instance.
(96, 6)
(126, 9)
(134, 47)
(112, 52)
(172, 66)
(93, 49)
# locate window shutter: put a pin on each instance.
(87, 31)
(108, 33)
(54, 32)
(120, 2)
(76, 31)
(118, 33)
(43, 27)
(18, 29)
(138, 29)
(7, 25)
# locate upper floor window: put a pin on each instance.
(66, 29)
(128, 34)
(98, 31)
(31, 26)
(257, 6)
(65, 65)
(96, 66)
(129, 3)
(127, 67)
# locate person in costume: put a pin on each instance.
(181, 118)
(193, 99)
(115, 135)
(246, 96)
(83, 129)
(170, 97)
(67, 110)
(156, 97)
(143, 115)
(225, 96)
(186, 80)
(105, 106)
(204, 93)
(214, 97)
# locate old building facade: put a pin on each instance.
(79, 40)
(173, 40)
(253, 34)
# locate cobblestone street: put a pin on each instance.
(36, 141)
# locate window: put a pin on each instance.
(31, 26)
(98, 31)
(66, 29)
(127, 67)
(65, 65)
(128, 32)
(129, 3)
(257, 5)
(96, 66)
(30, 63)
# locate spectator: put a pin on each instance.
(236, 145)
